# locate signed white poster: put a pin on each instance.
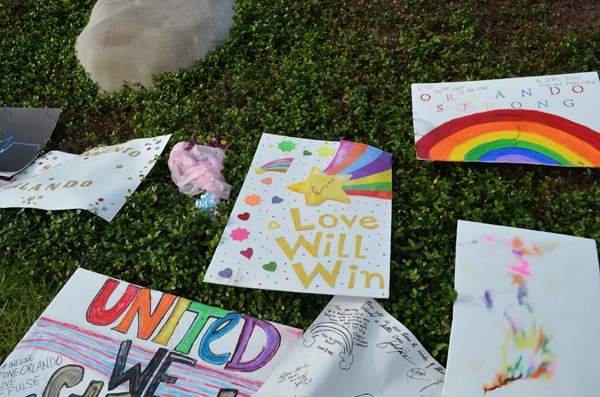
(312, 216)
(104, 337)
(526, 319)
(99, 180)
(356, 349)
(550, 120)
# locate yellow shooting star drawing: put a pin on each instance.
(319, 187)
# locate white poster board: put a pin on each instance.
(312, 216)
(550, 120)
(526, 319)
(356, 349)
(99, 180)
(105, 337)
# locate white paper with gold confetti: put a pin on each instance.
(99, 180)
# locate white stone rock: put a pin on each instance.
(131, 40)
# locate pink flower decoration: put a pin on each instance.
(195, 168)
(239, 234)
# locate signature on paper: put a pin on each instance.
(396, 346)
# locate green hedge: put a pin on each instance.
(322, 69)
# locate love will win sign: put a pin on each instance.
(312, 216)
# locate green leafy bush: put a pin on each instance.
(322, 69)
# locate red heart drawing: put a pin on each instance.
(245, 216)
(247, 253)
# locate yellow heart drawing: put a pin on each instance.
(273, 225)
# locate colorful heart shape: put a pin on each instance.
(273, 225)
(247, 252)
(267, 181)
(307, 153)
(276, 200)
(226, 273)
(270, 267)
(244, 217)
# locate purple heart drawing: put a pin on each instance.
(247, 253)
(276, 200)
(226, 273)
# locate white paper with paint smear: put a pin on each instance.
(526, 319)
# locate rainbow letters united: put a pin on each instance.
(104, 337)
(550, 120)
(312, 216)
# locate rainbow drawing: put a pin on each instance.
(513, 136)
(370, 169)
(279, 165)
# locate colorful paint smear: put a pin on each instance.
(526, 319)
(526, 350)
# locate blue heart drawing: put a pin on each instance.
(276, 200)
(226, 273)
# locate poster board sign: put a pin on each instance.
(105, 337)
(355, 348)
(99, 180)
(526, 319)
(312, 216)
(23, 131)
(550, 120)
